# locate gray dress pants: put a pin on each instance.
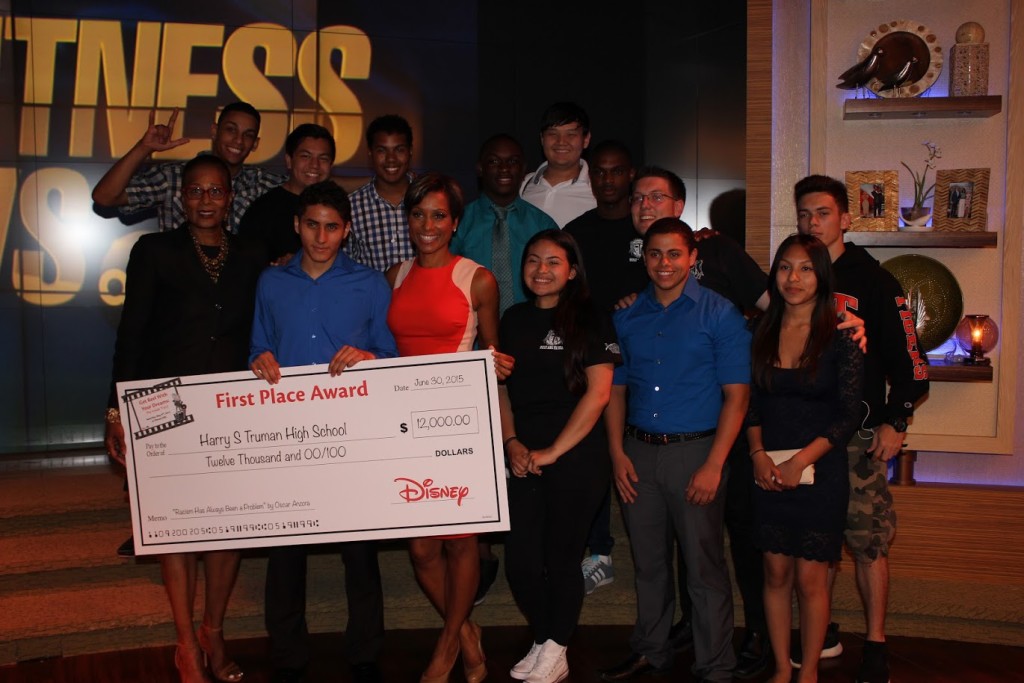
(659, 512)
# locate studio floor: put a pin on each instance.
(913, 660)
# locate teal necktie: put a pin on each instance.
(501, 260)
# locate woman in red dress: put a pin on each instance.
(442, 303)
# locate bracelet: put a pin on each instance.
(755, 452)
(113, 416)
(508, 440)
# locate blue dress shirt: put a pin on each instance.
(676, 358)
(303, 321)
(473, 238)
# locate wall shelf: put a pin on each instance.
(978, 107)
(921, 240)
(941, 371)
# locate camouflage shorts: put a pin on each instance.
(870, 518)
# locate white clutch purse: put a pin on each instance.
(779, 457)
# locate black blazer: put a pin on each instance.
(175, 320)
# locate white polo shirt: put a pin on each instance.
(564, 201)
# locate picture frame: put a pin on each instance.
(961, 200)
(864, 189)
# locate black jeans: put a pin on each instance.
(549, 524)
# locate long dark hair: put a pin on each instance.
(573, 313)
(764, 355)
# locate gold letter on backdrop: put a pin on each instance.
(60, 245)
(251, 85)
(325, 85)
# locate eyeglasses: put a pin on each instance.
(215, 193)
(654, 198)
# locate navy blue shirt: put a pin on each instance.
(303, 321)
(676, 358)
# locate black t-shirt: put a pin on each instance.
(612, 257)
(271, 221)
(723, 267)
(541, 400)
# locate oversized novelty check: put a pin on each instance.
(388, 449)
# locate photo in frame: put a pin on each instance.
(874, 199)
(961, 200)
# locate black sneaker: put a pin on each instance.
(127, 549)
(288, 676)
(874, 668)
(831, 648)
(488, 574)
(680, 636)
(753, 655)
(366, 672)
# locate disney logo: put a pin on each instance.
(414, 491)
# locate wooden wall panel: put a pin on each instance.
(959, 533)
(759, 130)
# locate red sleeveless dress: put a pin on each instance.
(432, 312)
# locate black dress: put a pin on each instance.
(808, 521)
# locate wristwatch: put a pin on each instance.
(898, 423)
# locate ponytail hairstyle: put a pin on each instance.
(764, 354)
(573, 313)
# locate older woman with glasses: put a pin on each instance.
(188, 309)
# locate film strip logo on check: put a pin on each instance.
(157, 408)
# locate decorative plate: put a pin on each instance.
(902, 43)
(936, 301)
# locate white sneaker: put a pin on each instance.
(525, 665)
(552, 665)
(597, 571)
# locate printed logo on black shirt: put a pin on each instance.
(552, 342)
(636, 248)
(846, 302)
(697, 269)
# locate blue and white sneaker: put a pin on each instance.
(597, 571)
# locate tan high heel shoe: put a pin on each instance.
(180, 664)
(477, 672)
(442, 678)
(229, 671)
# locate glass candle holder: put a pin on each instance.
(978, 335)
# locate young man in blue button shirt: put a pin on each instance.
(321, 307)
(686, 365)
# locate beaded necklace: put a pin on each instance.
(215, 264)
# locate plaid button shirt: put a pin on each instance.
(380, 231)
(160, 186)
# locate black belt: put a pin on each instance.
(663, 439)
